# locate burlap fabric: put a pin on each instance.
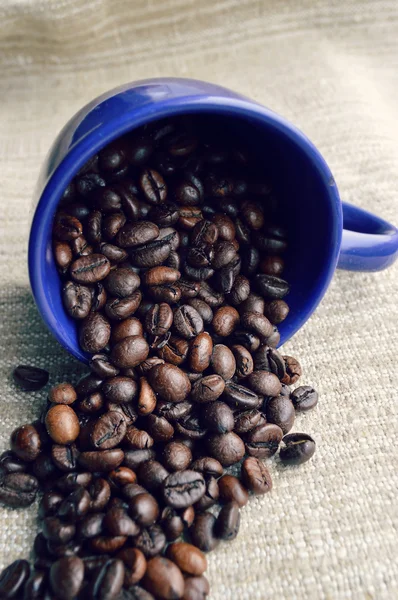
(328, 530)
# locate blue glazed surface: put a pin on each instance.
(302, 180)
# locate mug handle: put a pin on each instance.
(369, 243)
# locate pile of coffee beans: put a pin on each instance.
(171, 255)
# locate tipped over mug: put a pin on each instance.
(323, 232)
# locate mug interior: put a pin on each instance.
(309, 209)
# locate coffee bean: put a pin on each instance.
(121, 308)
(122, 282)
(173, 412)
(231, 490)
(208, 389)
(247, 339)
(208, 466)
(244, 361)
(25, 443)
(223, 361)
(272, 265)
(264, 383)
(164, 579)
(150, 254)
(57, 531)
(118, 523)
(146, 399)
(107, 544)
(256, 476)
(202, 532)
(191, 427)
(187, 321)
(10, 463)
(159, 428)
(258, 323)
(205, 232)
(297, 449)
(152, 474)
(91, 526)
(90, 269)
(94, 333)
(120, 390)
(161, 276)
(30, 379)
(35, 586)
(187, 557)
(137, 438)
(268, 243)
(107, 581)
(98, 296)
(211, 495)
(225, 226)
(70, 481)
(218, 417)
(13, 578)
(272, 287)
(269, 359)
(263, 441)
(183, 488)
(130, 351)
(293, 370)
(151, 541)
(153, 186)
(65, 457)
(169, 382)
(63, 393)
(176, 456)
(225, 320)
(304, 398)
(247, 420)
(228, 448)
(126, 328)
(253, 303)
(240, 290)
(134, 458)
(108, 431)
(101, 460)
(198, 273)
(62, 255)
(189, 290)
(144, 509)
(200, 352)
(134, 565)
(76, 505)
(170, 293)
(100, 493)
(202, 308)
(66, 227)
(239, 396)
(62, 424)
(165, 214)
(209, 295)
(280, 411)
(196, 588)
(276, 311)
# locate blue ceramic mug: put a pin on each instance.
(323, 233)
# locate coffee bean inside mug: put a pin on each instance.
(170, 245)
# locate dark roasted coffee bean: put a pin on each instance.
(224, 254)
(160, 276)
(232, 490)
(134, 566)
(164, 579)
(136, 234)
(274, 339)
(30, 379)
(137, 438)
(183, 488)
(122, 476)
(272, 265)
(122, 282)
(113, 253)
(224, 278)
(263, 441)
(297, 449)
(57, 531)
(107, 200)
(208, 466)
(134, 458)
(269, 359)
(146, 399)
(200, 352)
(196, 588)
(90, 269)
(209, 295)
(189, 216)
(76, 505)
(202, 308)
(225, 320)
(239, 396)
(169, 293)
(107, 544)
(228, 448)
(44, 469)
(99, 297)
(173, 261)
(198, 273)
(164, 215)
(257, 323)
(127, 409)
(187, 193)
(26, 443)
(151, 541)
(304, 398)
(71, 481)
(102, 366)
(94, 333)
(264, 383)
(276, 311)
(126, 328)
(280, 411)
(201, 256)
(176, 456)
(240, 290)
(90, 526)
(159, 428)
(10, 463)
(101, 460)
(187, 321)
(208, 389)
(65, 457)
(118, 523)
(228, 522)
(225, 226)
(205, 232)
(63, 393)
(150, 254)
(152, 475)
(62, 254)
(293, 370)
(81, 247)
(218, 417)
(189, 290)
(112, 224)
(60, 550)
(13, 578)
(271, 287)
(247, 420)
(187, 557)
(107, 581)
(223, 361)
(253, 303)
(153, 186)
(247, 339)
(256, 476)
(120, 390)
(93, 231)
(172, 523)
(191, 427)
(144, 509)
(250, 258)
(244, 361)
(35, 586)
(66, 577)
(202, 532)
(130, 352)
(100, 493)
(118, 309)
(169, 382)
(18, 489)
(243, 233)
(268, 243)
(108, 431)
(66, 227)
(172, 411)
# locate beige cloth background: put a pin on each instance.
(329, 529)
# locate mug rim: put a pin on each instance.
(118, 125)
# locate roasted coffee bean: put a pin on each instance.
(136, 234)
(137, 438)
(187, 557)
(201, 256)
(250, 258)
(63, 393)
(269, 359)
(196, 588)
(101, 460)
(118, 309)
(66, 227)
(225, 321)
(280, 411)
(297, 449)
(202, 532)
(122, 476)
(268, 243)
(30, 379)
(263, 441)
(120, 390)
(35, 586)
(172, 411)
(200, 352)
(112, 224)
(264, 383)
(107, 544)
(209, 295)
(225, 226)
(159, 428)
(148, 364)
(130, 352)
(107, 200)
(65, 457)
(274, 339)
(90, 269)
(224, 254)
(66, 577)
(170, 293)
(134, 565)
(247, 420)
(293, 370)
(144, 509)
(172, 523)
(10, 463)
(99, 297)
(252, 215)
(93, 231)
(107, 581)
(135, 592)
(191, 427)
(240, 290)
(228, 448)
(71, 481)
(304, 398)
(202, 308)
(146, 399)
(126, 409)
(151, 254)
(151, 541)
(134, 458)
(247, 339)
(189, 217)
(122, 282)
(88, 182)
(176, 456)
(228, 522)
(271, 287)
(208, 466)
(189, 290)
(117, 522)
(13, 578)
(44, 469)
(187, 321)
(243, 233)
(153, 186)
(224, 278)
(239, 396)
(187, 193)
(183, 488)
(276, 311)
(232, 490)
(205, 232)
(152, 474)
(25, 443)
(218, 417)
(174, 262)
(272, 265)
(94, 333)
(210, 497)
(91, 526)
(100, 493)
(244, 361)
(258, 323)
(254, 303)
(198, 273)
(108, 431)
(169, 382)
(76, 505)
(57, 531)
(223, 361)
(164, 579)
(165, 214)
(62, 254)
(126, 328)
(256, 476)
(208, 389)
(81, 247)
(62, 424)
(113, 253)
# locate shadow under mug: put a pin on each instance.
(323, 232)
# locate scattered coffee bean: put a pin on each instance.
(30, 379)
(304, 398)
(228, 522)
(297, 449)
(256, 476)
